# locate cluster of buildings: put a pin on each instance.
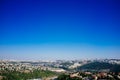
(16, 66)
(111, 61)
(60, 66)
(57, 66)
(27, 66)
(96, 76)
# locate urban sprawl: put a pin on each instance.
(98, 69)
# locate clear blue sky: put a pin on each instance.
(59, 29)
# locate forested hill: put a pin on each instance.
(100, 66)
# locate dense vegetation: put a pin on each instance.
(14, 75)
(99, 66)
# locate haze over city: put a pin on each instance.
(59, 29)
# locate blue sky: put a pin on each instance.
(59, 29)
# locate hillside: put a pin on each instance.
(97, 66)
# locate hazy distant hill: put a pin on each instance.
(100, 66)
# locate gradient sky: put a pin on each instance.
(59, 29)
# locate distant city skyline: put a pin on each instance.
(59, 29)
